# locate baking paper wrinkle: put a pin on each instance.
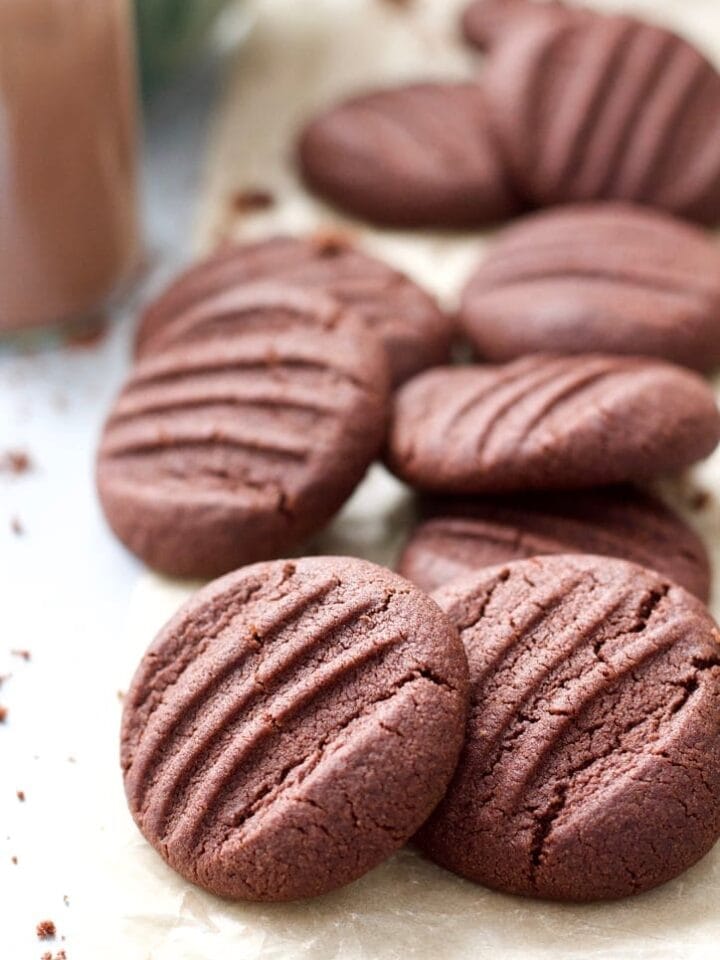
(300, 56)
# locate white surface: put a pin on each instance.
(69, 589)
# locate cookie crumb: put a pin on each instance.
(3, 714)
(46, 956)
(46, 930)
(120, 695)
(330, 242)
(251, 200)
(21, 795)
(23, 654)
(14, 860)
(700, 499)
(17, 527)
(16, 462)
(87, 334)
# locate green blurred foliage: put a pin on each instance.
(171, 33)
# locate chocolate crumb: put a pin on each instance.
(330, 243)
(46, 956)
(16, 462)
(251, 200)
(17, 527)
(23, 654)
(87, 334)
(61, 955)
(699, 500)
(14, 860)
(21, 796)
(46, 930)
(3, 714)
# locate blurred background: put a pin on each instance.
(173, 33)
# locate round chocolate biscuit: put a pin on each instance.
(413, 329)
(606, 107)
(421, 155)
(591, 766)
(605, 278)
(225, 450)
(459, 535)
(546, 422)
(292, 725)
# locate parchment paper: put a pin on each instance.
(300, 55)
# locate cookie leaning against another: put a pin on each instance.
(545, 422)
(462, 534)
(605, 278)
(413, 329)
(587, 106)
(591, 766)
(421, 155)
(292, 726)
(229, 449)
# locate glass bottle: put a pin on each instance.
(68, 155)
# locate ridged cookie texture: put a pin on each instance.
(413, 329)
(421, 155)
(591, 767)
(462, 534)
(292, 726)
(607, 107)
(545, 422)
(225, 450)
(602, 278)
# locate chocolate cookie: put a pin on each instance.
(591, 766)
(544, 422)
(416, 156)
(463, 534)
(226, 450)
(607, 278)
(292, 726)
(606, 107)
(413, 329)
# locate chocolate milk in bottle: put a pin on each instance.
(68, 213)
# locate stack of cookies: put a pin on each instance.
(534, 698)
(259, 398)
